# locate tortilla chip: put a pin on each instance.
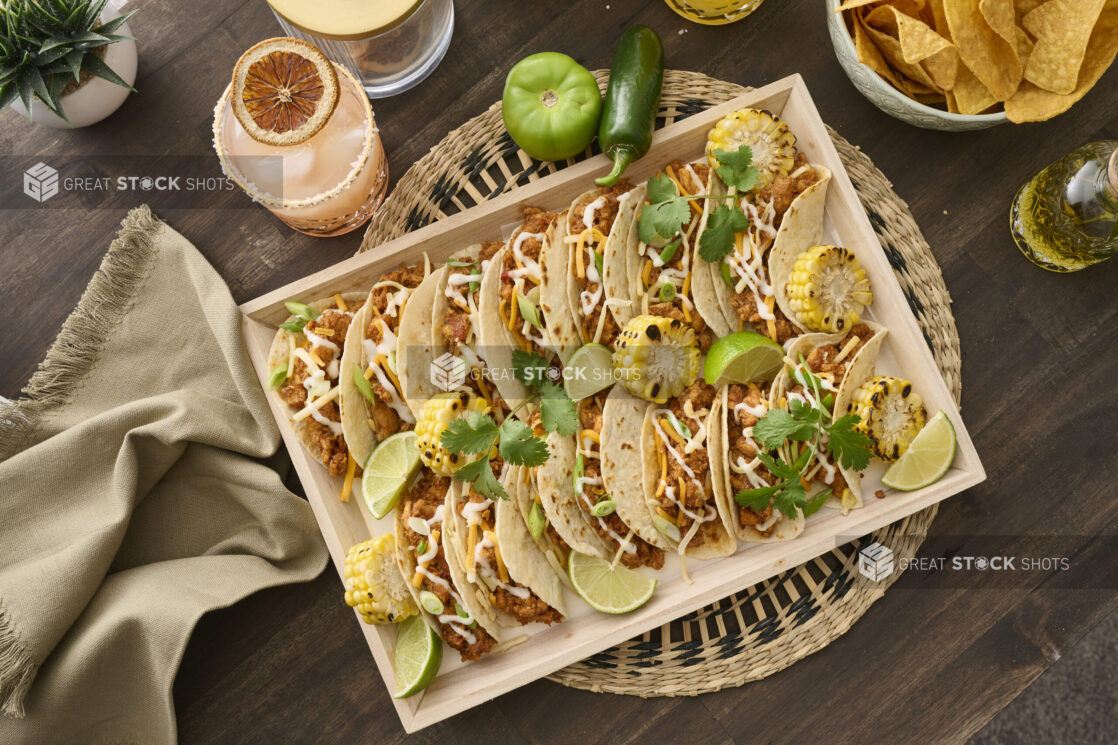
(852, 4)
(952, 105)
(939, 20)
(991, 58)
(870, 56)
(971, 96)
(1032, 104)
(891, 49)
(1023, 7)
(920, 44)
(1062, 29)
(1025, 46)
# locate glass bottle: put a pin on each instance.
(1066, 217)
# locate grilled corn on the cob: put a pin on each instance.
(373, 583)
(828, 289)
(434, 418)
(772, 143)
(656, 357)
(891, 412)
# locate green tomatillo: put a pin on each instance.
(551, 106)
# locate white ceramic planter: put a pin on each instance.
(97, 98)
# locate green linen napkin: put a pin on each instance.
(132, 499)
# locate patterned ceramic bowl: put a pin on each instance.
(890, 100)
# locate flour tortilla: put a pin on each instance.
(613, 252)
(498, 341)
(801, 229)
(861, 367)
(415, 353)
(555, 480)
(524, 494)
(278, 355)
(717, 540)
(783, 529)
(524, 560)
(405, 559)
(623, 417)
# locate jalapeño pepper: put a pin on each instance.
(632, 99)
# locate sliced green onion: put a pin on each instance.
(295, 327)
(726, 274)
(474, 287)
(669, 251)
(599, 262)
(828, 401)
(362, 385)
(666, 527)
(421, 548)
(460, 263)
(667, 292)
(392, 363)
(430, 602)
(529, 312)
(277, 376)
(817, 500)
(462, 612)
(679, 426)
(580, 469)
(537, 521)
(301, 310)
(604, 507)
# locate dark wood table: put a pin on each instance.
(931, 662)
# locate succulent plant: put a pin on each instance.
(46, 44)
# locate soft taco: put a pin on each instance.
(641, 278)
(597, 225)
(456, 320)
(514, 312)
(435, 575)
(842, 362)
(505, 568)
(384, 338)
(678, 476)
(589, 507)
(526, 494)
(306, 363)
(785, 218)
(734, 457)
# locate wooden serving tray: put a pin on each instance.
(460, 686)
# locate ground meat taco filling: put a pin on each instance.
(315, 374)
(744, 406)
(521, 278)
(485, 564)
(684, 495)
(589, 222)
(590, 489)
(389, 414)
(460, 324)
(671, 264)
(754, 298)
(426, 500)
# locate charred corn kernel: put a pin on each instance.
(828, 289)
(772, 143)
(891, 414)
(656, 357)
(434, 418)
(373, 583)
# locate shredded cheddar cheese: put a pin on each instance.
(340, 302)
(853, 342)
(770, 324)
(471, 548)
(592, 435)
(347, 485)
(497, 553)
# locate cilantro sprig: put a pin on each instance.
(667, 212)
(516, 442)
(797, 432)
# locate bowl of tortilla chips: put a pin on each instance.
(960, 65)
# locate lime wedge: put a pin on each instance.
(419, 652)
(605, 589)
(928, 456)
(742, 358)
(387, 472)
(589, 370)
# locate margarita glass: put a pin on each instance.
(714, 12)
(327, 185)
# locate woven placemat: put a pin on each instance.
(769, 626)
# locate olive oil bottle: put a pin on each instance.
(1066, 217)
